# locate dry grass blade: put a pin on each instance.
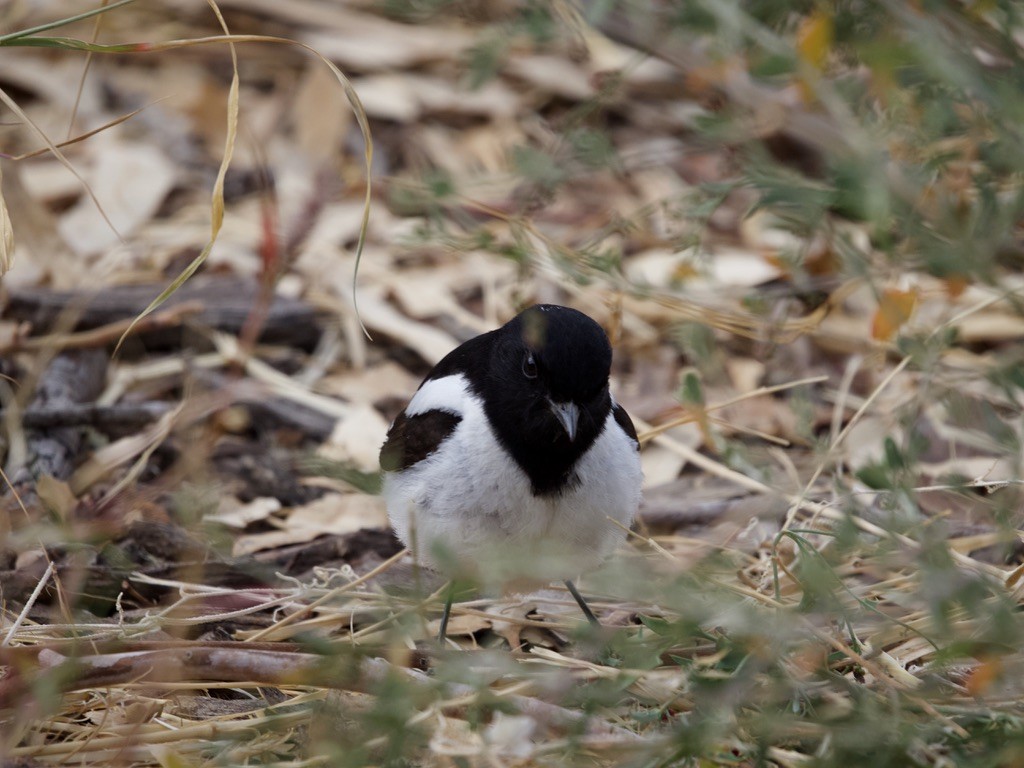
(56, 152)
(6, 233)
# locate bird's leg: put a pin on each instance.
(442, 633)
(582, 603)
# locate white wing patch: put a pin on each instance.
(445, 394)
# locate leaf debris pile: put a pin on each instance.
(194, 566)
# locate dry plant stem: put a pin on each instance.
(779, 441)
(887, 676)
(801, 502)
(13, 106)
(124, 746)
(652, 432)
(308, 610)
(252, 667)
(28, 604)
(97, 23)
(83, 136)
(327, 621)
(797, 502)
(103, 417)
(107, 334)
(280, 383)
(416, 608)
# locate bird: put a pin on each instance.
(513, 459)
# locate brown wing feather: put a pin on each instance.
(411, 439)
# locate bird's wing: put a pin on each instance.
(411, 439)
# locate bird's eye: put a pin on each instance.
(529, 366)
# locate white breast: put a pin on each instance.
(470, 505)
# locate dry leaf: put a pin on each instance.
(493, 99)
(321, 113)
(660, 465)
(894, 310)
(130, 180)
(370, 385)
(731, 266)
(745, 373)
(511, 735)
(456, 738)
(369, 43)
(388, 96)
(984, 676)
(426, 340)
(814, 38)
(334, 513)
(56, 495)
(990, 327)
(134, 447)
(956, 285)
(553, 74)
(231, 512)
(357, 438)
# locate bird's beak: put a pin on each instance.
(568, 415)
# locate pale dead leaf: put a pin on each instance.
(660, 465)
(487, 149)
(430, 293)
(339, 223)
(991, 327)
(659, 267)
(44, 253)
(493, 100)
(511, 735)
(369, 43)
(388, 96)
(443, 149)
(130, 180)
(864, 442)
(113, 455)
(604, 53)
(49, 181)
(764, 415)
(55, 80)
(516, 611)
(553, 74)
(29, 557)
(234, 514)
(455, 737)
(340, 513)
(460, 625)
(405, 97)
(370, 385)
(334, 513)
(320, 116)
(357, 438)
(745, 269)
(745, 373)
(760, 231)
(56, 496)
(429, 342)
